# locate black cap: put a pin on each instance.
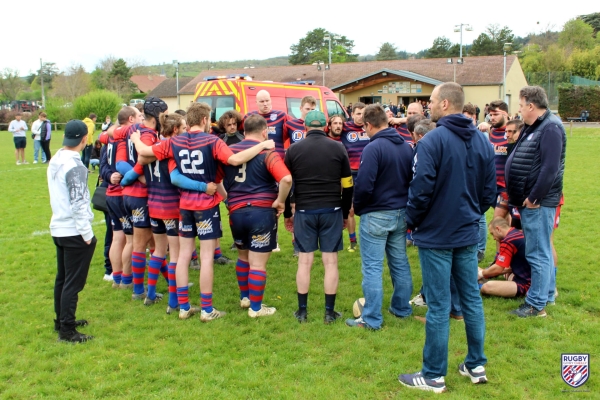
(74, 131)
(154, 106)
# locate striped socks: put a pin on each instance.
(183, 298)
(154, 267)
(117, 277)
(352, 236)
(206, 302)
(218, 253)
(242, 268)
(138, 267)
(164, 269)
(256, 284)
(126, 279)
(173, 301)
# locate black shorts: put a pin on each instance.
(162, 226)
(118, 215)
(20, 142)
(137, 211)
(502, 198)
(319, 231)
(522, 285)
(254, 229)
(205, 224)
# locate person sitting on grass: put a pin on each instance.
(510, 262)
(95, 157)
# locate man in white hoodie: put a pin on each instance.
(71, 229)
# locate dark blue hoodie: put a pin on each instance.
(453, 185)
(384, 174)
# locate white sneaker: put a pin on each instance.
(18, 162)
(418, 301)
(35, 161)
(185, 314)
(263, 312)
(108, 278)
(215, 314)
(25, 162)
(245, 302)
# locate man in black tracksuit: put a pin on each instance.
(534, 181)
(323, 193)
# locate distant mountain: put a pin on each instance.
(194, 68)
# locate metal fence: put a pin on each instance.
(551, 81)
(55, 126)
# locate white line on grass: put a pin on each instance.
(42, 233)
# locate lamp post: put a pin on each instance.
(319, 68)
(459, 28)
(176, 65)
(42, 80)
(505, 48)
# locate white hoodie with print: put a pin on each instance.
(69, 196)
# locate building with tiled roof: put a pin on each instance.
(145, 83)
(396, 81)
(167, 91)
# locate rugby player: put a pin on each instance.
(196, 155)
(254, 202)
(294, 129)
(498, 112)
(415, 108)
(510, 262)
(335, 125)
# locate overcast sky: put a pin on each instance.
(79, 32)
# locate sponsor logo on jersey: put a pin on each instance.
(273, 117)
(297, 135)
(500, 150)
(204, 227)
(501, 258)
(352, 137)
(125, 222)
(138, 215)
(259, 241)
(216, 215)
(153, 223)
(272, 130)
(575, 369)
(170, 224)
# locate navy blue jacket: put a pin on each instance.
(384, 173)
(453, 185)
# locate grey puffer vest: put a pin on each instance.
(526, 163)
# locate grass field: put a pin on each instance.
(140, 352)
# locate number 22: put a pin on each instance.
(191, 162)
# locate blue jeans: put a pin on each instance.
(37, 149)
(94, 162)
(537, 225)
(437, 267)
(384, 233)
(86, 154)
(482, 234)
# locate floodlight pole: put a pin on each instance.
(505, 48)
(459, 28)
(176, 65)
(42, 83)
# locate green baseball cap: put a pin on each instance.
(315, 119)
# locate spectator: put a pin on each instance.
(37, 146)
(95, 156)
(90, 122)
(445, 201)
(534, 182)
(18, 129)
(107, 124)
(71, 230)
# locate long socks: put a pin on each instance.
(242, 269)
(256, 284)
(138, 266)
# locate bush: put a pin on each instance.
(100, 102)
(58, 110)
(573, 100)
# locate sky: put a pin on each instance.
(71, 33)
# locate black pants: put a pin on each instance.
(46, 149)
(86, 154)
(107, 242)
(73, 257)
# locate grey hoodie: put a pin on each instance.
(69, 196)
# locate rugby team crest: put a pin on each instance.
(575, 369)
(273, 117)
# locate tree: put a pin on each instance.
(11, 84)
(119, 78)
(492, 41)
(387, 51)
(576, 34)
(593, 20)
(100, 102)
(585, 62)
(314, 48)
(72, 83)
(440, 48)
(100, 74)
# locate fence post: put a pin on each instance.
(55, 129)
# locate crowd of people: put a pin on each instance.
(410, 180)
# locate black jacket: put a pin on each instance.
(536, 166)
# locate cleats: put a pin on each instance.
(185, 314)
(215, 314)
(148, 301)
(301, 315)
(245, 302)
(263, 312)
(331, 316)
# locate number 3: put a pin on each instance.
(242, 171)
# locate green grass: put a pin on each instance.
(140, 352)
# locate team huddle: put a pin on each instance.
(411, 180)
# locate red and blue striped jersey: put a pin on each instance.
(275, 123)
(163, 196)
(354, 138)
(403, 131)
(148, 137)
(112, 148)
(196, 156)
(498, 139)
(253, 183)
(512, 255)
(293, 131)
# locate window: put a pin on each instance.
(293, 106)
(333, 108)
(219, 105)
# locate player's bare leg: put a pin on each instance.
(499, 288)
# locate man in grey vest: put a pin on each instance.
(534, 182)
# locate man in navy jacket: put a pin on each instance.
(380, 196)
(453, 185)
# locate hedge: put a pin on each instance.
(573, 100)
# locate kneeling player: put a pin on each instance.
(254, 204)
(509, 261)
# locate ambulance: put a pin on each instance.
(224, 93)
